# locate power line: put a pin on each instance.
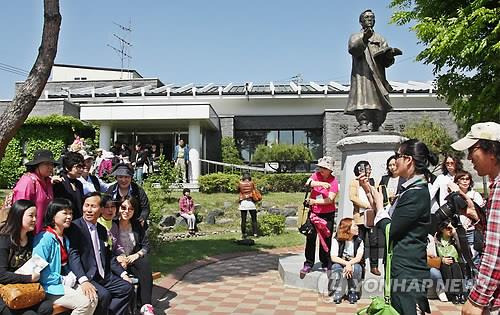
(12, 69)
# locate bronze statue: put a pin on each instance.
(369, 94)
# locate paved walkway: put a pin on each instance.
(250, 284)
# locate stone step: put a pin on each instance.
(318, 280)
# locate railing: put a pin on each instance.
(208, 166)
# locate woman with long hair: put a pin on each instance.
(410, 217)
(131, 246)
(36, 184)
(53, 246)
(348, 261)
(186, 209)
(16, 240)
(245, 188)
(439, 188)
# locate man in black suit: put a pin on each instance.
(93, 263)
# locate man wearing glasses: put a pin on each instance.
(70, 187)
(483, 145)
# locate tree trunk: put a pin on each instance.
(29, 92)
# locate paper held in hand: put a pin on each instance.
(34, 265)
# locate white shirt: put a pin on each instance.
(441, 184)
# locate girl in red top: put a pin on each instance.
(324, 189)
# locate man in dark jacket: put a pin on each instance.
(91, 260)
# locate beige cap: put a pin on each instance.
(486, 131)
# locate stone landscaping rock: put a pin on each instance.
(197, 207)
(289, 211)
(224, 221)
(274, 210)
(291, 221)
(210, 219)
(168, 220)
(265, 205)
(227, 204)
(180, 222)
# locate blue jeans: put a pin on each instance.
(437, 280)
(138, 175)
(338, 283)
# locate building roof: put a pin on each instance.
(97, 68)
(144, 87)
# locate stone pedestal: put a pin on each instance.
(375, 148)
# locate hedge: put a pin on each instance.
(224, 182)
(52, 132)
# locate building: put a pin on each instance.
(130, 109)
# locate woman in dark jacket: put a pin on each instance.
(70, 187)
(16, 243)
(390, 184)
(410, 219)
(131, 246)
(125, 187)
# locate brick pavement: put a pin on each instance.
(251, 284)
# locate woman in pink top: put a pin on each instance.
(36, 185)
(324, 189)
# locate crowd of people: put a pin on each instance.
(92, 234)
(455, 244)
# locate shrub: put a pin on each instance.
(271, 224)
(52, 132)
(288, 156)
(219, 182)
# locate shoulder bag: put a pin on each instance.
(379, 305)
(18, 296)
(256, 195)
(307, 228)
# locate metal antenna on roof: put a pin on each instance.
(125, 47)
(297, 79)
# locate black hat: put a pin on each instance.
(41, 156)
(122, 169)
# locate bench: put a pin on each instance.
(59, 309)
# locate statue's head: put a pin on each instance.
(367, 19)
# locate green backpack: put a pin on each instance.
(382, 305)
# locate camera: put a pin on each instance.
(306, 203)
(450, 210)
(361, 169)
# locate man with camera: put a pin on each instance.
(483, 145)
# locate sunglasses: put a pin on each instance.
(398, 155)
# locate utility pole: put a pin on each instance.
(124, 46)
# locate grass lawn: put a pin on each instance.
(175, 254)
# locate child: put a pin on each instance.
(347, 261)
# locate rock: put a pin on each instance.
(180, 221)
(291, 221)
(168, 220)
(266, 205)
(274, 210)
(197, 207)
(227, 204)
(210, 218)
(224, 221)
(289, 211)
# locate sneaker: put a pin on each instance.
(352, 297)
(375, 271)
(305, 270)
(147, 309)
(337, 298)
(442, 296)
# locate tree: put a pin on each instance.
(434, 135)
(230, 153)
(287, 156)
(462, 39)
(25, 99)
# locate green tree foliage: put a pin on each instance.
(230, 153)
(433, 134)
(462, 41)
(287, 156)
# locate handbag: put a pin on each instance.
(434, 262)
(379, 305)
(256, 195)
(307, 228)
(21, 295)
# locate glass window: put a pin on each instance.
(286, 137)
(272, 137)
(299, 137)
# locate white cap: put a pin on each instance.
(485, 131)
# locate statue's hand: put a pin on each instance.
(367, 33)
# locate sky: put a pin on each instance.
(202, 41)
